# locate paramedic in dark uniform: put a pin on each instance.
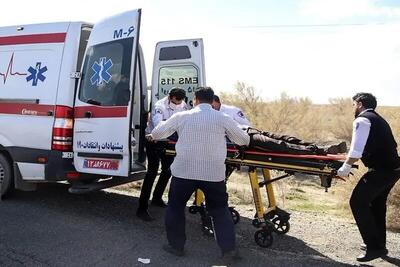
(163, 109)
(200, 163)
(232, 111)
(373, 142)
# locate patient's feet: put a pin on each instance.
(334, 149)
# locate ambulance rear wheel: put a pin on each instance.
(6, 177)
(263, 238)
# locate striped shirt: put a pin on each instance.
(201, 147)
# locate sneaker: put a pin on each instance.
(144, 215)
(371, 254)
(159, 203)
(173, 251)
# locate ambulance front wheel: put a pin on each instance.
(6, 177)
(263, 238)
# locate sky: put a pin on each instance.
(320, 49)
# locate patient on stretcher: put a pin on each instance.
(288, 144)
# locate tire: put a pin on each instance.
(6, 177)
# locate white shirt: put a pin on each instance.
(201, 146)
(163, 111)
(236, 114)
(361, 128)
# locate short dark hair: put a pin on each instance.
(178, 93)
(204, 94)
(368, 100)
(216, 99)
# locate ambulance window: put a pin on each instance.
(174, 53)
(106, 74)
(185, 77)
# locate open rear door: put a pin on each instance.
(105, 98)
(178, 63)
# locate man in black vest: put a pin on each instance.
(373, 142)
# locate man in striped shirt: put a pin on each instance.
(200, 163)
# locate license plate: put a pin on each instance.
(104, 164)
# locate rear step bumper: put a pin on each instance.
(114, 181)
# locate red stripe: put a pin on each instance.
(101, 112)
(26, 109)
(34, 39)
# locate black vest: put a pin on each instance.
(380, 151)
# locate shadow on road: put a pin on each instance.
(52, 227)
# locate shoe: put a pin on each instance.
(173, 251)
(371, 254)
(336, 149)
(159, 203)
(230, 257)
(144, 215)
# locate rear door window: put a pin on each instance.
(106, 74)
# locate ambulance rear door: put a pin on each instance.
(178, 63)
(102, 140)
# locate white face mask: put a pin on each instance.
(173, 106)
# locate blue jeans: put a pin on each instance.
(217, 206)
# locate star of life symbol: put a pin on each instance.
(36, 74)
(101, 73)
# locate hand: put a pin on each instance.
(149, 138)
(344, 171)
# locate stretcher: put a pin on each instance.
(260, 163)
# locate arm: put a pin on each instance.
(241, 119)
(361, 128)
(235, 133)
(157, 116)
(166, 128)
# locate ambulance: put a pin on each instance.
(74, 100)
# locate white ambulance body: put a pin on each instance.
(73, 100)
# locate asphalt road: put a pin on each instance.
(51, 227)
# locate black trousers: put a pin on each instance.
(155, 155)
(368, 204)
(217, 206)
(282, 143)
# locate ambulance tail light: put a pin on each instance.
(63, 129)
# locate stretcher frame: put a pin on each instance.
(271, 218)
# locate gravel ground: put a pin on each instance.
(51, 227)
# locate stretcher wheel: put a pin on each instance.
(263, 238)
(207, 226)
(235, 215)
(281, 226)
(207, 230)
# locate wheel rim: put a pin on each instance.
(281, 227)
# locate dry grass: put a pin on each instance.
(320, 123)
